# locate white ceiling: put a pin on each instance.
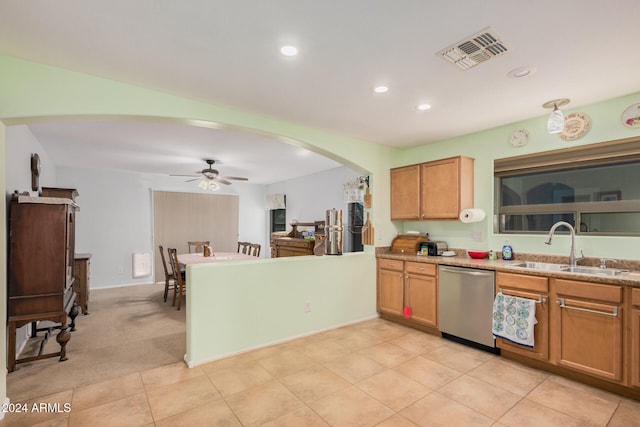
(226, 52)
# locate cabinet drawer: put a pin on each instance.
(588, 290)
(390, 264)
(420, 268)
(635, 297)
(521, 281)
(302, 245)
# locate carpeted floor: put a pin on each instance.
(129, 329)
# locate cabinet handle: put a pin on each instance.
(604, 313)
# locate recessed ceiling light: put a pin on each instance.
(381, 89)
(289, 50)
(521, 72)
(424, 107)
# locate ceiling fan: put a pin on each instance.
(211, 177)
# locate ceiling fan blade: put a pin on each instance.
(234, 178)
(191, 180)
(222, 181)
(191, 174)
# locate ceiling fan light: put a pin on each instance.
(213, 186)
(203, 184)
(555, 123)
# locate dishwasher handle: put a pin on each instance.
(466, 271)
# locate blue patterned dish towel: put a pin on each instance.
(514, 319)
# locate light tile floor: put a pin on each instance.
(374, 373)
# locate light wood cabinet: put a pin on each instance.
(446, 187)
(405, 193)
(408, 284)
(635, 337)
(439, 189)
(537, 289)
(390, 286)
(421, 292)
(587, 328)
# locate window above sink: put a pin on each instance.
(592, 187)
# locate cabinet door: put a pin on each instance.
(422, 297)
(391, 291)
(535, 288)
(588, 334)
(635, 338)
(405, 193)
(446, 187)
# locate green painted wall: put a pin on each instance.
(242, 305)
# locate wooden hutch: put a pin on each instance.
(40, 273)
(294, 244)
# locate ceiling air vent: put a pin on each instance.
(478, 48)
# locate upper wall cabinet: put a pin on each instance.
(433, 190)
(405, 193)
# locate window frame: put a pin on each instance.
(600, 154)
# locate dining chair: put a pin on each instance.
(243, 247)
(197, 246)
(254, 249)
(248, 248)
(169, 278)
(180, 287)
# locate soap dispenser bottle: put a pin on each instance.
(507, 251)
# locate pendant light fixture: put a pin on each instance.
(555, 123)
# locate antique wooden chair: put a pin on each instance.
(197, 247)
(181, 285)
(169, 278)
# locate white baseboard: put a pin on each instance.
(123, 285)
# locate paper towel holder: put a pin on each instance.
(472, 215)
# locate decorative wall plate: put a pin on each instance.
(631, 116)
(519, 137)
(575, 126)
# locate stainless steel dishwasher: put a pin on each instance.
(465, 305)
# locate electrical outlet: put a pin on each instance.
(307, 307)
(476, 236)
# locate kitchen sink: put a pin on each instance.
(540, 266)
(595, 270)
(568, 269)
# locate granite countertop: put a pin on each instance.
(632, 278)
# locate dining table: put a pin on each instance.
(198, 258)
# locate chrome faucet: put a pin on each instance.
(572, 255)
